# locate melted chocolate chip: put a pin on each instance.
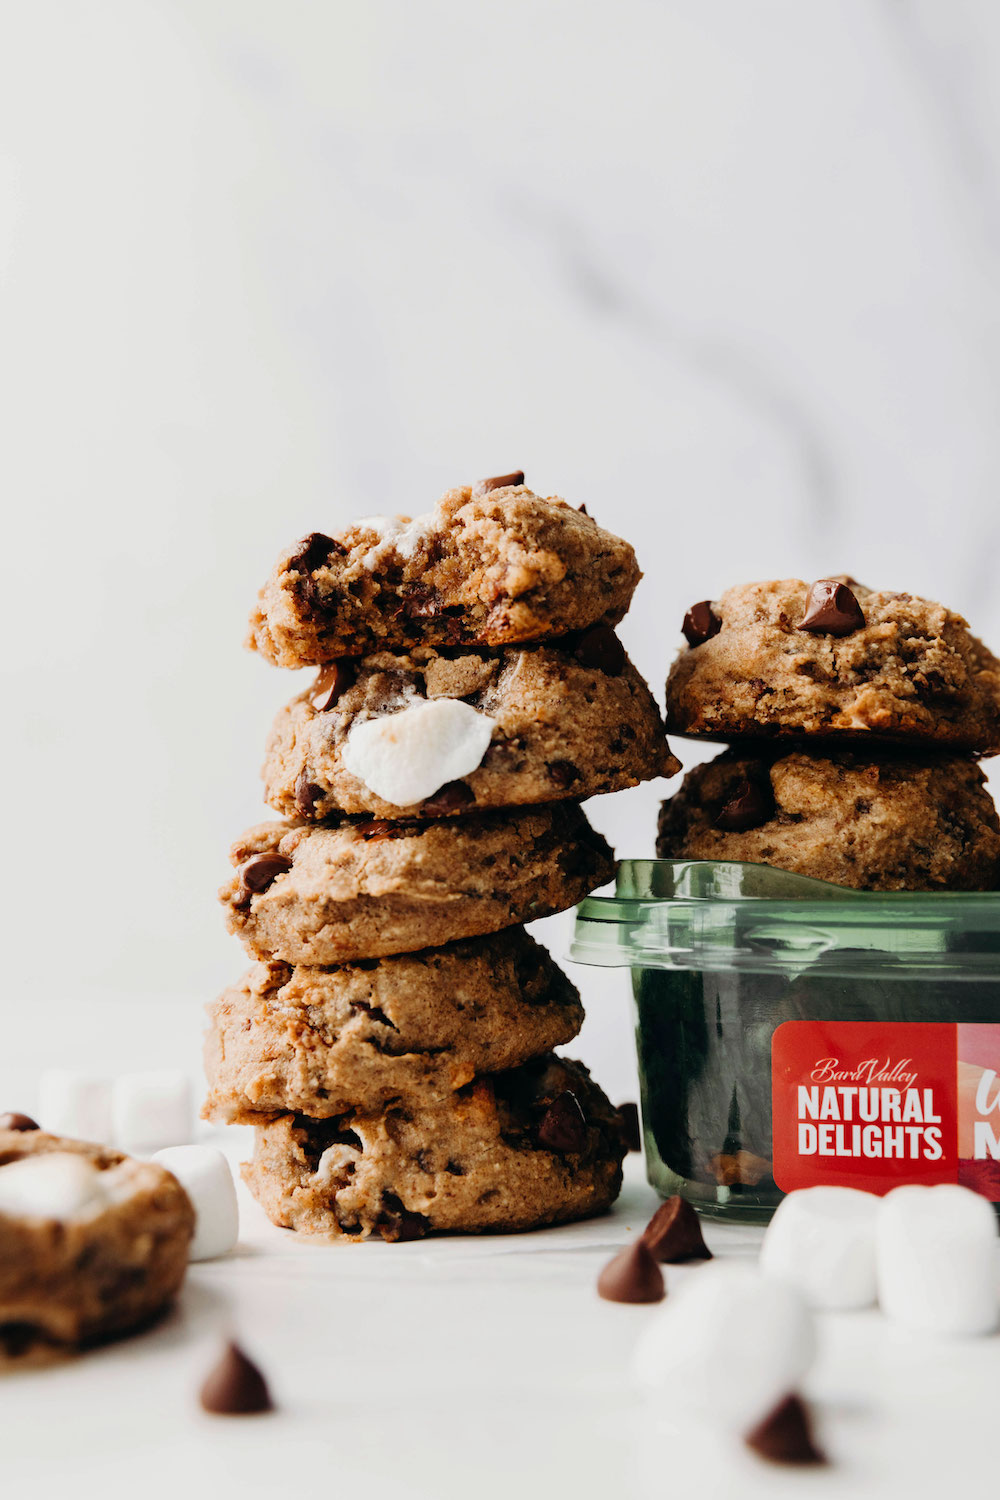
(383, 828)
(632, 1276)
(15, 1121)
(498, 482)
(235, 1387)
(448, 799)
(785, 1436)
(601, 649)
(334, 679)
(674, 1233)
(750, 805)
(260, 872)
(307, 794)
(700, 624)
(563, 1126)
(631, 1129)
(396, 1223)
(832, 609)
(563, 773)
(313, 551)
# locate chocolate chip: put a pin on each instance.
(448, 799)
(498, 482)
(15, 1121)
(235, 1387)
(396, 1223)
(306, 794)
(260, 872)
(700, 624)
(383, 828)
(583, 511)
(313, 551)
(832, 609)
(563, 773)
(631, 1129)
(334, 679)
(563, 1126)
(421, 603)
(601, 649)
(674, 1233)
(632, 1276)
(785, 1435)
(750, 805)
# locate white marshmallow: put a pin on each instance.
(936, 1253)
(204, 1174)
(54, 1185)
(75, 1104)
(405, 757)
(726, 1346)
(822, 1241)
(150, 1110)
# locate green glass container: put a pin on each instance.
(722, 955)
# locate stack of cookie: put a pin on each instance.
(393, 1045)
(855, 719)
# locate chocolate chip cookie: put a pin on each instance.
(327, 893)
(92, 1243)
(515, 1151)
(834, 659)
(897, 823)
(562, 721)
(417, 1026)
(491, 564)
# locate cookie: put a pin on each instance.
(324, 1040)
(566, 721)
(836, 659)
(92, 1243)
(488, 566)
(327, 893)
(896, 823)
(515, 1151)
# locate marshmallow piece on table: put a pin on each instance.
(204, 1174)
(936, 1256)
(406, 757)
(727, 1346)
(53, 1185)
(822, 1241)
(150, 1110)
(75, 1104)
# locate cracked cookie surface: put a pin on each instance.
(326, 893)
(416, 1026)
(911, 672)
(537, 1145)
(569, 721)
(488, 569)
(901, 822)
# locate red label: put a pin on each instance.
(871, 1104)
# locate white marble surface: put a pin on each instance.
(726, 273)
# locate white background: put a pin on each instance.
(726, 272)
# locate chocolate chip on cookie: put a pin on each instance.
(260, 872)
(449, 799)
(498, 482)
(563, 1126)
(748, 806)
(16, 1121)
(335, 678)
(601, 649)
(832, 609)
(312, 552)
(700, 624)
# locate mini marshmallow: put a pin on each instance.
(936, 1256)
(726, 1347)
(75, 1104)
(406, 757)
(53, 1185)
(204, 1174)
(150, 1110)
(822, 1241)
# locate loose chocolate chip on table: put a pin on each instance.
(261, 871)
(632, 1276)
(563, 1126)
(832, 609)
(448, 799)
(601, 649)
(750, 805)
(498, 482)
(785, 1436)
(335, 678)
(700, 624)
(313, 551)
(235, 1387)
(15, 1121)
(631, 1130)
(674, 1233)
